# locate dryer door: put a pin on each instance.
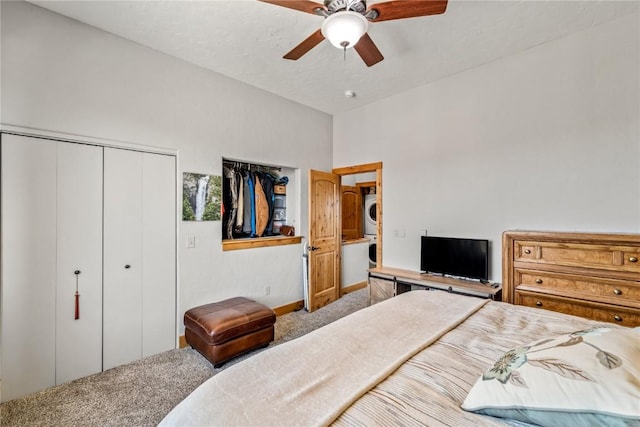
(372, 254)
(370, 215)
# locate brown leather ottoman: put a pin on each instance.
(223, 330)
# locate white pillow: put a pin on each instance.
(589, 377)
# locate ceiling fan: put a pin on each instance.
(346, 22)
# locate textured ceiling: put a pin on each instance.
(246, 39)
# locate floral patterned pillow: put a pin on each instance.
(589, 377)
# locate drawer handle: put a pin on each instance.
(617, 318)
(538, 281)
(617, 291)
(527, 251)
(539, 303)
(633, 259)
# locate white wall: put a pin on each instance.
(64, 76)
(547, 139)
(355, 263)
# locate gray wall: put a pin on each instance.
(547, 139)
(64, 76)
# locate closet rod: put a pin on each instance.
(251, 166)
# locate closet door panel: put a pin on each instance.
(159, 254)
(79, 248)
(122, 298)
(28, 265)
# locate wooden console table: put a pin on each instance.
(387, 282)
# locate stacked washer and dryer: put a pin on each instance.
(371, 226)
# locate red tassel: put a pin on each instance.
(77, 305)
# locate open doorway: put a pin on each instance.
(371, 191)
(324, 258)
(361, 204)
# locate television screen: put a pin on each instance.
(455, 257)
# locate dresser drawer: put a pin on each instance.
(591, 310)
(613, 290)
(618, 258)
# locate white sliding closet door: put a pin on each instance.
(28, 265)
(110, 215)
(79, 248)
(139, 255)
(158, 254)
(122, 340)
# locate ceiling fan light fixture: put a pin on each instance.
(344, 29)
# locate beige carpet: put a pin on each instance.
(143, 392)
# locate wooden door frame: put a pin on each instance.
(366, 168)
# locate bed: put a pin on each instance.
(420, 357)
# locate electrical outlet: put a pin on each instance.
(267, 290)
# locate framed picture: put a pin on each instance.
(201, 197)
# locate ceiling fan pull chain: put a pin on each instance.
(344, 45)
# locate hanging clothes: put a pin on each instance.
(248, 201)
(267, 187)
(226, 204)
(252, 195)
(262, 207)
(230, 176)
(240, 213)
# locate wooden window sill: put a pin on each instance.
(259, 242)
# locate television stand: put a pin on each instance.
(387, 282)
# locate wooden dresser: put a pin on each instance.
(593, 275)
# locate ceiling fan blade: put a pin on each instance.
(399, 9)
(301, 5)
(304, 47)
(368, 51)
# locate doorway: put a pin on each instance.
(325, 231)
(373, 206)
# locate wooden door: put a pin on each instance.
(79, 248)
(28, 265)
(324, 239)
(122, 340)
(351, 212)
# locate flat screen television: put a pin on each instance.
(455, 257)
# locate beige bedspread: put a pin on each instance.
(313, 379)
(351, 372)
(429, 388)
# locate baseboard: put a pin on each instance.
(182, 342)
(289, 308)
(353, 288)
(298, 305)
